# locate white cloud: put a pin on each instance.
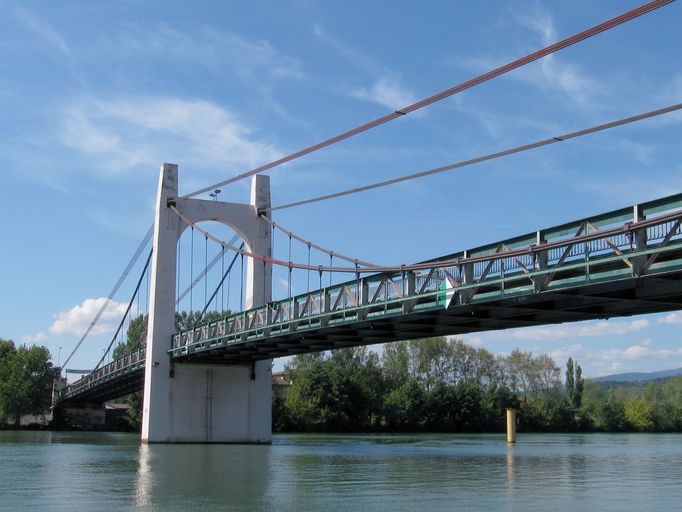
(216, 51)
(605, 361)
(469, 339)
(46, 32)
(551, 74)
(563, 75)
(386, 91)
(563, 353)
(671, 318)
(574, 330)
(76, 320)
(125, 133)
(38, 337)
(666, 353)
(358, 59)
(636, 352)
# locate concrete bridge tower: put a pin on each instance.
(185, 402)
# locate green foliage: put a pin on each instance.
(639, 414)
(136, 337)
(26, 380)
(575, 384)
(326, 394)
(442, 385)
(185, 320)
(406, 406)
(570, 380)
(579, 387)
(612, 415)
(395, 363)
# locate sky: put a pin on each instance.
(95, 96)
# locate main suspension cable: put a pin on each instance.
(576, 38)
(267, 259)
(491, 156)
(627, 228)
(113, 291)
(314, 245)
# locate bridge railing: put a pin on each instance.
(618, 244)
(122, 366)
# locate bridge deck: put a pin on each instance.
(624, 262)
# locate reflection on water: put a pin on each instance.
(234, 476)
(509, 458)
(144, 489)
(101, 472)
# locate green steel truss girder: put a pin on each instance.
(619, 249)
(109, 375)
(593, 255)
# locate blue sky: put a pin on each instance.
(95, 96)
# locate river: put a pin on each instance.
(69, 471)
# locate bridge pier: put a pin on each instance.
(202, 403)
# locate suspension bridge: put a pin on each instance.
(618, 263)
(211, 382)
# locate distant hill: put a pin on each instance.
(639, 376)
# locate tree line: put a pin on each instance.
(445, 385)
(430, 385)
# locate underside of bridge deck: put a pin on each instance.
(593, 301)
(115, 387)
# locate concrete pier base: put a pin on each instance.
(218, 404)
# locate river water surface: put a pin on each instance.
(108, 472)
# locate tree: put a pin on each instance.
(579, 387)
(395, 363)
(575, 384)
(185, 320)
(406, 406)
(26, 380)
(441, 408)
(136, 337)
(639, 413)
(570, 380)
(549, 375)
(7, 352)
(325, 395)
(429, 360)
(518, 367)
(612, 415)
(468, 397)
(463, 361)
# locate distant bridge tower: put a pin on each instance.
(185, 402)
